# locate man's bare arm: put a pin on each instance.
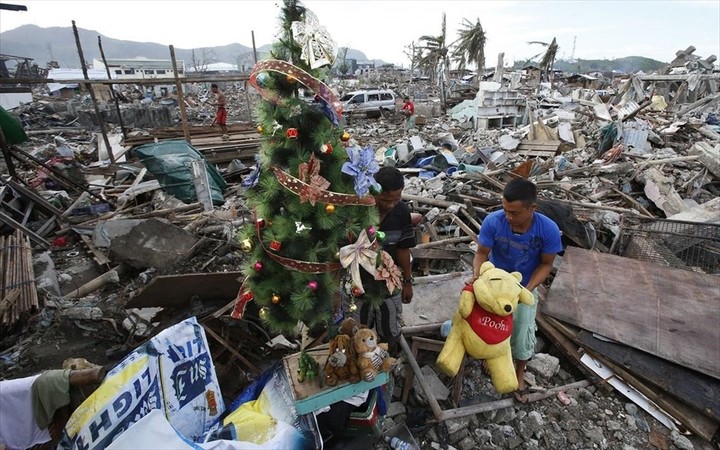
(542, 272)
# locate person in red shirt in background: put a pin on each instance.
(408, 110)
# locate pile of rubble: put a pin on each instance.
(122, 252)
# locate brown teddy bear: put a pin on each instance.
(372, 356)
(342, 361)
(350, 326)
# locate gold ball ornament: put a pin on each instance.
(260, 129)
(345, 136)
(291, 79)
(246, 245)
(330, 209)
(275, 299)
(263, 313)
(352, 307)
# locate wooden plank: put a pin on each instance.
(98, 256)
(667, 312)
(693, 420)
(177, 290)
(35, 237)
(696, 389)
(231, 349)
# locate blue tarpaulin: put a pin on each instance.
(170, 161)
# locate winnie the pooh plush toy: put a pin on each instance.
(372, 356)
(482, 325)
(342, 361)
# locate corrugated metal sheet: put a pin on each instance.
(635, 134)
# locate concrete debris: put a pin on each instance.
(152, 243)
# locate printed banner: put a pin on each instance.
(173, 373)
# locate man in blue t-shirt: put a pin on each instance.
(518, 238)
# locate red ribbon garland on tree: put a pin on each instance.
(297, 187)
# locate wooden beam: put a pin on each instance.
(181, 99)
(693, 388)
(232, 350)
(141, 81)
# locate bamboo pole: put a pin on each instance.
(181, 99)
(89, 87)
(112, 92)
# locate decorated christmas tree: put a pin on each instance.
(311, 192)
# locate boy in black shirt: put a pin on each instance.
(379, 308)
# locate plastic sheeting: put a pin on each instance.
(170, 161)
(11, 128)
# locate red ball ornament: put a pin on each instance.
(312, 285)
(356, 292)
(261, 223)
(258, 266)
(291, 133)
(326, 149)
(275, 246)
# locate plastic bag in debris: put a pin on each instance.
(264, 414)
(154, 431)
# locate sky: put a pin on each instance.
(383, 29)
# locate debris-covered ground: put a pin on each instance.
(103, 237)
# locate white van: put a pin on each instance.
(372, 102)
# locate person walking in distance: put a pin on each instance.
(518, 238)
(221, 115)
(408, 110)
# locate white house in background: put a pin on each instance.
(144, 69)
(67, 90)
(219, 67)
(141, 68)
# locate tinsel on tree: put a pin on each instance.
(311, 192)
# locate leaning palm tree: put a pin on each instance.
(470, 46)
(548, 60)
(435, 52)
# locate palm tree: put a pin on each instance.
(548, 60)
(470, 46)
(435, 52)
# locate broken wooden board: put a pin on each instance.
(538, 148)
(436, 253)
(667, 312)
(435, 299)
(178, 290)
(697, 390)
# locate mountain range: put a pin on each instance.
(58, 44)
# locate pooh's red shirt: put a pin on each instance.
(490, 327)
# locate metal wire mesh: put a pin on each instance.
(683, 245)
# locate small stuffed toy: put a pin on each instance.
(342, 361)
(482, 325)
(372, 356)
(350, 326)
